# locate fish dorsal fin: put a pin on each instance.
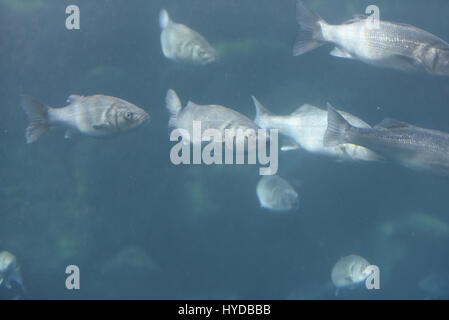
(73, 98)
(261, 111)
(164, 19)
(304, 109)
(389, 123)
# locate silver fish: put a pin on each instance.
(413, 147)
(209, 116)
(182, 44)
(96, 115)
(275, 193)
(9, 270)
(307, 126)
(350, 271)
(390, 45)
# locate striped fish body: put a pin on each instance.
(96, 115)
(391, 45)
(384, 44)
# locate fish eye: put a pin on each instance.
(128, 115)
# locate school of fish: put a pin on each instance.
(330, 132)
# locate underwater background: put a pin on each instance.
(140, 227)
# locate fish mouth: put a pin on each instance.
(211, 58)
(145, 117)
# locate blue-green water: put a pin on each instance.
(140, 227)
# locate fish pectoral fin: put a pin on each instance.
(289, 147)
(348, 278)
(289, 144)
(389, 123)
(341, 53)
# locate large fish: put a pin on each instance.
(96, 115)
(412, 146)
(307, 126)
(182, 44)
(388, 44)
(208, 116)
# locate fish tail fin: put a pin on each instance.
(309, 34)
(164, 19)
(261, 112)
(337, 128)
(174, 106)
(37, 115)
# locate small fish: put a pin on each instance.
(349, 271)
(209, 116)
(182, 44)
(413, 147)
(9, 270)
(276, 194)
(96, 115)
(307, 126)
(388, 45)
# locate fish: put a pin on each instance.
(349, 271)
(182, 44)
(275, 193)
(210, 116)
(413, 147)
(9, 270)
(306, 127)
(386, 44)
(96, 115)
